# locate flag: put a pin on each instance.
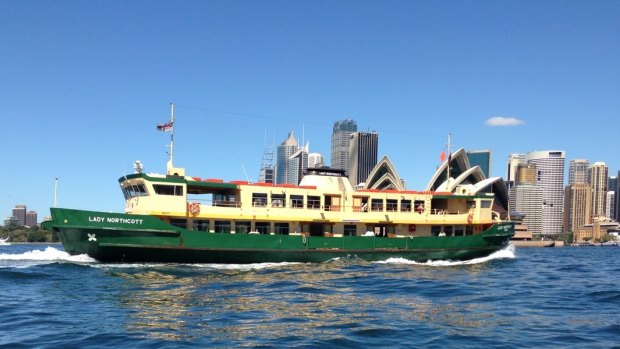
(442, 156)
(165, 127)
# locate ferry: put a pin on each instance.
(175, 218)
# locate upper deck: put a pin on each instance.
(321, 196)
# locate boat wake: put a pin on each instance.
(506, 253)
(38, 257)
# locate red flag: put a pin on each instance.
(442, 156)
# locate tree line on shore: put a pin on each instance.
(27, 234)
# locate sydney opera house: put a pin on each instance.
(464, 179)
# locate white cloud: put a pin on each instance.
(504, 121)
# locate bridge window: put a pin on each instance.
(278, 200)
(376, 205)
(405, 205)
(391, 205)
(162, 189)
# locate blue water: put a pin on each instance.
(536, 297)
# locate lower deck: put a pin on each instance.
(327, 229)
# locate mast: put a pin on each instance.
(170, 162)
(56, 192)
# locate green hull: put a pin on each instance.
(113, 237)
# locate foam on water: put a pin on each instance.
(49, 255)
(505, 253)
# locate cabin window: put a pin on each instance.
(391, 205)
(314, 202)
(262, 227)
(297, 201)
(225, 200)
(179, 223)
(419, 206)
(281, 228)
(222, 226)
(278, 200)
(469, 229)
(376, 205)
(448, 230)
(485, 203)
(259, 199)
(162, 189)
(471, 204)
(458, 230)
(405, 205)
(242, 227)
(360, 203)
(435, 230)
(201, 224)
(350, 230)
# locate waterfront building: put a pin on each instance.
(514, 160)
(595, 231)
(363, 150)
(341, 138)
(610, 204)
(578, 171)
(10, 221)
(550, 178)
(598, 175)
(481, 158)
(284, 152)
(577, 206)
(463, 175)
(527, 200)
(19, 212)
(31, 219)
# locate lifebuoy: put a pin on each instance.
(470, 217)
(193, 208)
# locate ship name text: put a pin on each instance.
(100, 219)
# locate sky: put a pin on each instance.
(83, 85)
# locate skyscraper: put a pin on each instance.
(610, 204)
(363, 151)
(525, 174)
(550, 178)
(285, 150)
(31, 219)
(481, 158)
(514, 160)
(527, 199)
(598, 174)
(577, 206)
(19, 212)
(341, 137)
(578, 171)
(617, 206)
(297, 165)
(315, 160)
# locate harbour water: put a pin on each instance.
(543, 298)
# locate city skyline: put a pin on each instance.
(86, 86)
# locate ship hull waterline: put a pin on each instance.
(115, 237)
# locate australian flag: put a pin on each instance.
(165, 127)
